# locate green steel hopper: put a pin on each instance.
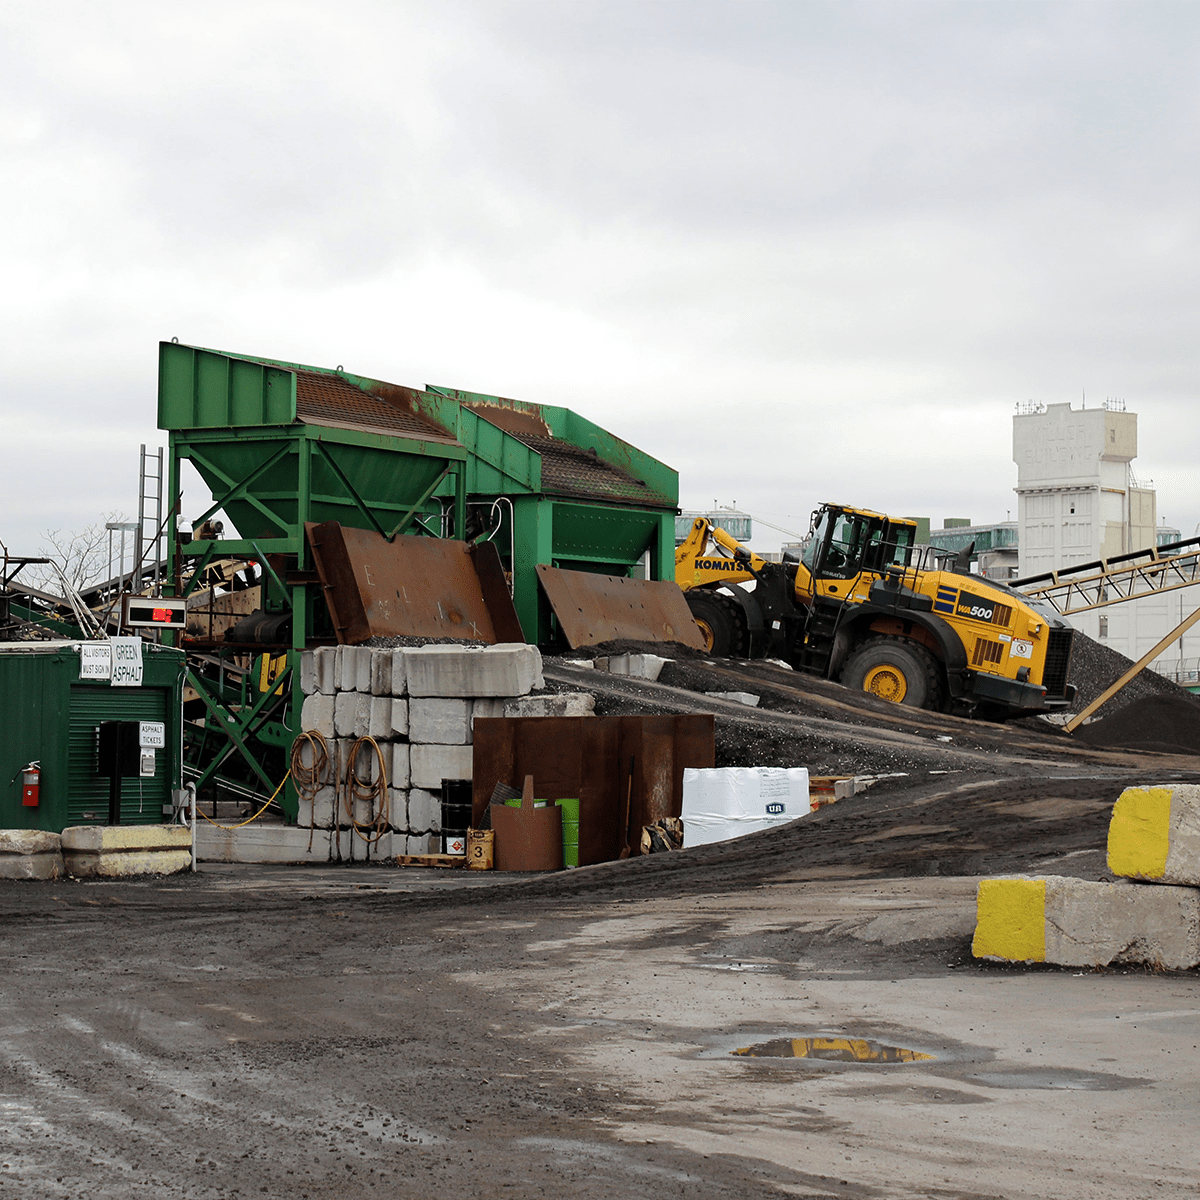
(281, 446)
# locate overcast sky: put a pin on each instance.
(799, 251)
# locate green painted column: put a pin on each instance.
(533, 543)
(662, 549)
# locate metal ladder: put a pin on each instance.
(150, 508)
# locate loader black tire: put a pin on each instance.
(720, 623)
(896, 669)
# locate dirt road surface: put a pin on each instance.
(339, 1033)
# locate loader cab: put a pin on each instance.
(846, 542)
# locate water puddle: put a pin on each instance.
(833, 1049)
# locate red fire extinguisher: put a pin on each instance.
(30, 777)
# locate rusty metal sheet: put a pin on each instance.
(591, 758)
(411, 586)
(603, 608)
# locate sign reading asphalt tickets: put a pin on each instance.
(95, 660)
(152, 735)
(126, 662)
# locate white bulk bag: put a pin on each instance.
(727, 802)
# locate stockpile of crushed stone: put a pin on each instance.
(1094, 667)
(1163, 724)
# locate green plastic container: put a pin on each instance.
(570, 830)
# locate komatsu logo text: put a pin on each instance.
(717, 564)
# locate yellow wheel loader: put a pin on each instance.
(862, 606)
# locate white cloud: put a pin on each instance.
(800, 251)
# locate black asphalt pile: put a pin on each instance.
(1164, 724)
(1094, 667)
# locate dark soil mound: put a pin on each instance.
(1164, 723)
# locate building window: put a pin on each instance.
(1104, 627)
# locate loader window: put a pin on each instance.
(844, 549)
(901, 539)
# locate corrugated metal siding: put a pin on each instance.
(142, 800)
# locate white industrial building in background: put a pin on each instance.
(1078, 501)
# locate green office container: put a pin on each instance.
(52, 716)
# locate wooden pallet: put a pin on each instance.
(431, 860)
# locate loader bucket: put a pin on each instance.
(601, 608)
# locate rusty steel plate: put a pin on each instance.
(411, 586)
(603, 608)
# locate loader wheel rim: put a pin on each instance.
(706, 632)
(886, 681)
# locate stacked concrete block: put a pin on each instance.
(381, 672)
(316, 714)
(430, 764)
(399, 776)
(1151, 915)
(565, 704)
(419, 705)
(443, 722)
(509, 669)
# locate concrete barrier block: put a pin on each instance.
(565, 704)
(399, 673)
(272, 844)
(31, 854)
(308, 674)
(324, 662)
(345, 669)
(1154, 834)
(491, 707)
(398, 810)
(381, 672)
(747, 698)
(443, 721)
(365, 812)
(318, 811)
(421, 806)
(117, 851)
(639, 666)
(362, 713)
(345, 710)
(509, 669)
(1075, 923)
(316, 714)
(399, 775)
(362, 669)
(399, 718)
(423, 843)
(379, 720)
(377, 848)
(307, 755)
(429, 765)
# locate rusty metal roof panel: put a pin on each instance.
(568, 470)
(330, 400)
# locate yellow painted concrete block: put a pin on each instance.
(1010, 920)
(1154, 835)
(1139, 833)
(116, 851)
